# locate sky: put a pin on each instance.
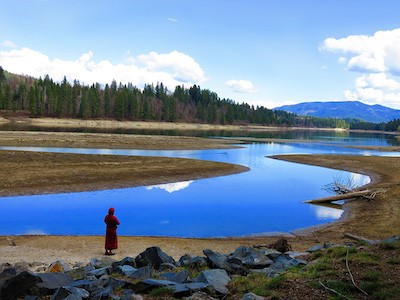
(262, 52)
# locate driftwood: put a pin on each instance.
(345, 196)
(361, 239)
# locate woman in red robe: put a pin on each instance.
(111, 232)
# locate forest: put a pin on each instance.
(45, 97)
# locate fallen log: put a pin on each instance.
(340, 197)
(361, 239)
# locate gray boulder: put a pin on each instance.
(180, 277)
(221, 261)
(251, 296)
(166, 266)
(285, 262)
(125, 270)
(80, 272)
(251, 258)
(52, 281)
(149, 284)
(100, 272)
(19, 285)
(192, 262)
(143, 272)
(127, 261)
(217, 278)
(70, 293)
(154, 257)
(270, 253)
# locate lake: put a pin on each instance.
(269, 198)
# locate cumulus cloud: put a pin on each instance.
(241, 86)
(377, 57)
(174, 68)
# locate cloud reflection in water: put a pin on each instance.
(171, 187)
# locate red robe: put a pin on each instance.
(111, 232)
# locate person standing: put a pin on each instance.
(111, 232)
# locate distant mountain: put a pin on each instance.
(344, 110)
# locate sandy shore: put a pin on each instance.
(114, 124)
(374, 219)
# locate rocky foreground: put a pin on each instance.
(153, 273)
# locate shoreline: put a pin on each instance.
(372, 219)
(55, 247)
(115, 124)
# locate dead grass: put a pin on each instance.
(40, 173)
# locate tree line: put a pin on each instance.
(47, 98)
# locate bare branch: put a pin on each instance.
(332, 290)
(351, 275)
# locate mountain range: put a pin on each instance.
(344, 110)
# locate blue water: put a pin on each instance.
(268, 198)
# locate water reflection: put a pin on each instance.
(327, 213)
(170, 187)
(268, 198)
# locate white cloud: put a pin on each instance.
(241, 86)
(377, 56)
(172, 69)
(375, 88)
(172, 20)
(9, 44)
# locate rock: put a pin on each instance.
(222, 261)
(58, 266)
(79, 273)
(105, 293)
(295, 254)
(127, 261)
(102, 262)
(21, 266)
(269, 272)
(125, 270)
(281, 245)
(315, 248)
(9, 272)
(70, 293)
(251, 258)
(166, 266)
(215, 259)
(52, 281)
(251, 296)
(285, 262)
(142, 273)
(154, 257)
(100, 272)
(19, 285)
(180, 277)
(217, 278)
(200, 296)
(192, 262)
(149, 284)
(270, 253)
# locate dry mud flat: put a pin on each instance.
(374, 219)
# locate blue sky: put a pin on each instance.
(261, 52)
